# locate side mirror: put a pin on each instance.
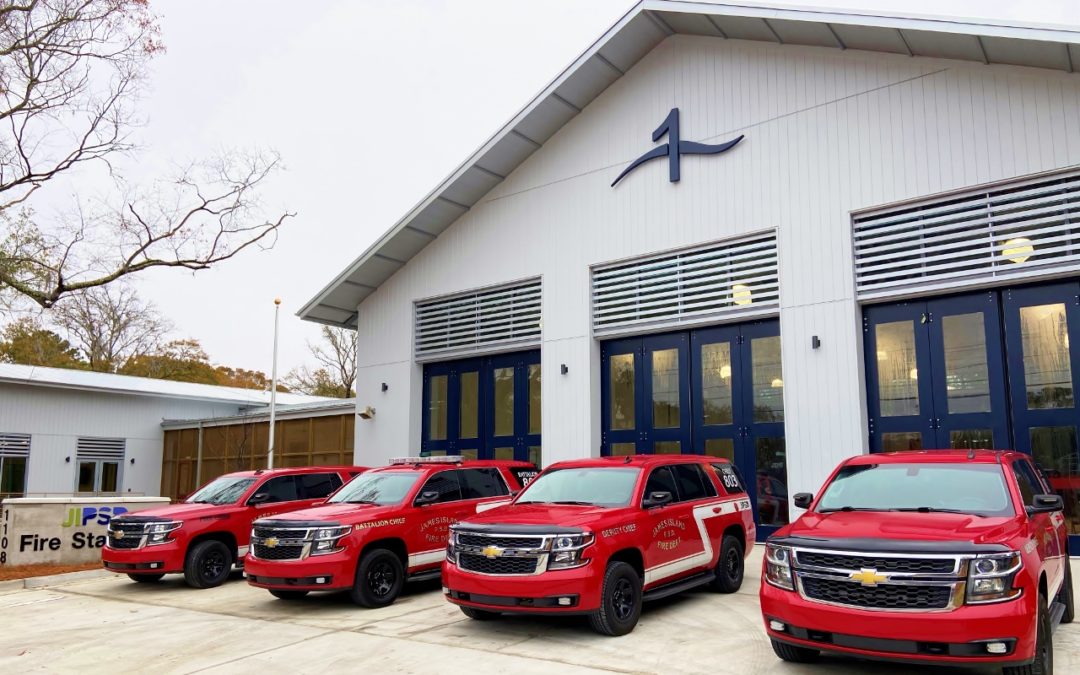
(803, 500)
(259, 498)
(1047, 504)
(427, 498)
(656, 499)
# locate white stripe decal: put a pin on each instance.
(487, 506)
(426, 557)
(701, 514)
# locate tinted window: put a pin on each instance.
(693, 484)
(1028, 481)
(598, 486)
(481, 483)
(446, 484)
(280, 489)
(318, 485)
(223, 490)
(729, 477)
(661, 480)
(377, 487)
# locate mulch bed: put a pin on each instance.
(8, 573)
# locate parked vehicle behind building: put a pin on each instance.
(944, 557)
(207, 534)
(385, 528)
(600, 536)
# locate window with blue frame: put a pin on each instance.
(484, 408)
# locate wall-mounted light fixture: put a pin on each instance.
(563, 369)
(367, 413)
(385, 386)
(815, 342)
(132, 460)
(68, 459)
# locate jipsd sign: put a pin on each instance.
(675, 148)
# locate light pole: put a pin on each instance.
(273, 388)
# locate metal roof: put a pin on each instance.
(11, 373)
(642, 28)
(320, 408)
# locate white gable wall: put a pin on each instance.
(827, 133)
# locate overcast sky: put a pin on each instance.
(371, 104)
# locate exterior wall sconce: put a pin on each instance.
(67, 460)
(385, 386)
(563, 369)
(367, 413)
(132, 460)
(815, 342)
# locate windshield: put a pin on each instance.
(224, 490)
(594, 486)
(382, 487)
(978, 489)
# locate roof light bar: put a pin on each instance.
(448, 459)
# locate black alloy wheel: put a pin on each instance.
(1044, 646)
(207, 564)
(620, 600)
(730, 566)
(380, 577)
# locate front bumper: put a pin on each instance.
(325, 572)
(160, 559)
(572, 591)
(956, 637)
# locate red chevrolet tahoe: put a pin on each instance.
(942, 557)
(205, 535)
(386, 527)
(599, 536)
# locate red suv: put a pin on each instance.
(599, 536)
(941, 557)
(386, 527)
(205, 535)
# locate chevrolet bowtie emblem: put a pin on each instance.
(270, 542)
(118, 534)
(492, 551)
(868, 577)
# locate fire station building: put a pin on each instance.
(778, 236)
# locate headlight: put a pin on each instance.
(325, 539)
(778, 567)
(990, 578)
(158, 533)
(567, 549)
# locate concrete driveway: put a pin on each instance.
(113, 625)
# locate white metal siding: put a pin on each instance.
(1019, 229)
(718, 282)
(827, 134)
(480, 321)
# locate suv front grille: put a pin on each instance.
(881, 564)
(132, 531)
(472, 562)
(277, 533)
(899, 597)
(466, 539)
(264, 552)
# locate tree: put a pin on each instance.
(26, 342)
(178, 360)
(110, 325)
(337, 375)
(71, 73)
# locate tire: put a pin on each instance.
(729, 567)
(287, 595)
(620, 601)
(793, 654)
(1044, 646)
(1065, 595)
(479, 614)
(145, 578)
(380, 577)
(207, 564)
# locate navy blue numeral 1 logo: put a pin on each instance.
(675, 148)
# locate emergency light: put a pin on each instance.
(448, 459)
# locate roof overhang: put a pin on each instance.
(633, 36)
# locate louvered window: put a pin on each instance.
(1017, 230)
(14, 445)
(711, 283)
(480, 321)
(101, 448)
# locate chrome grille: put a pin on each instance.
(472, 562)
(881, 581)
(900, 597)
(271, 541)
(467, 539)
(846, 561)
(131, 532)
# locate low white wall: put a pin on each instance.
(61, 530)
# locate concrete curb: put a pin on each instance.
(52, 580)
